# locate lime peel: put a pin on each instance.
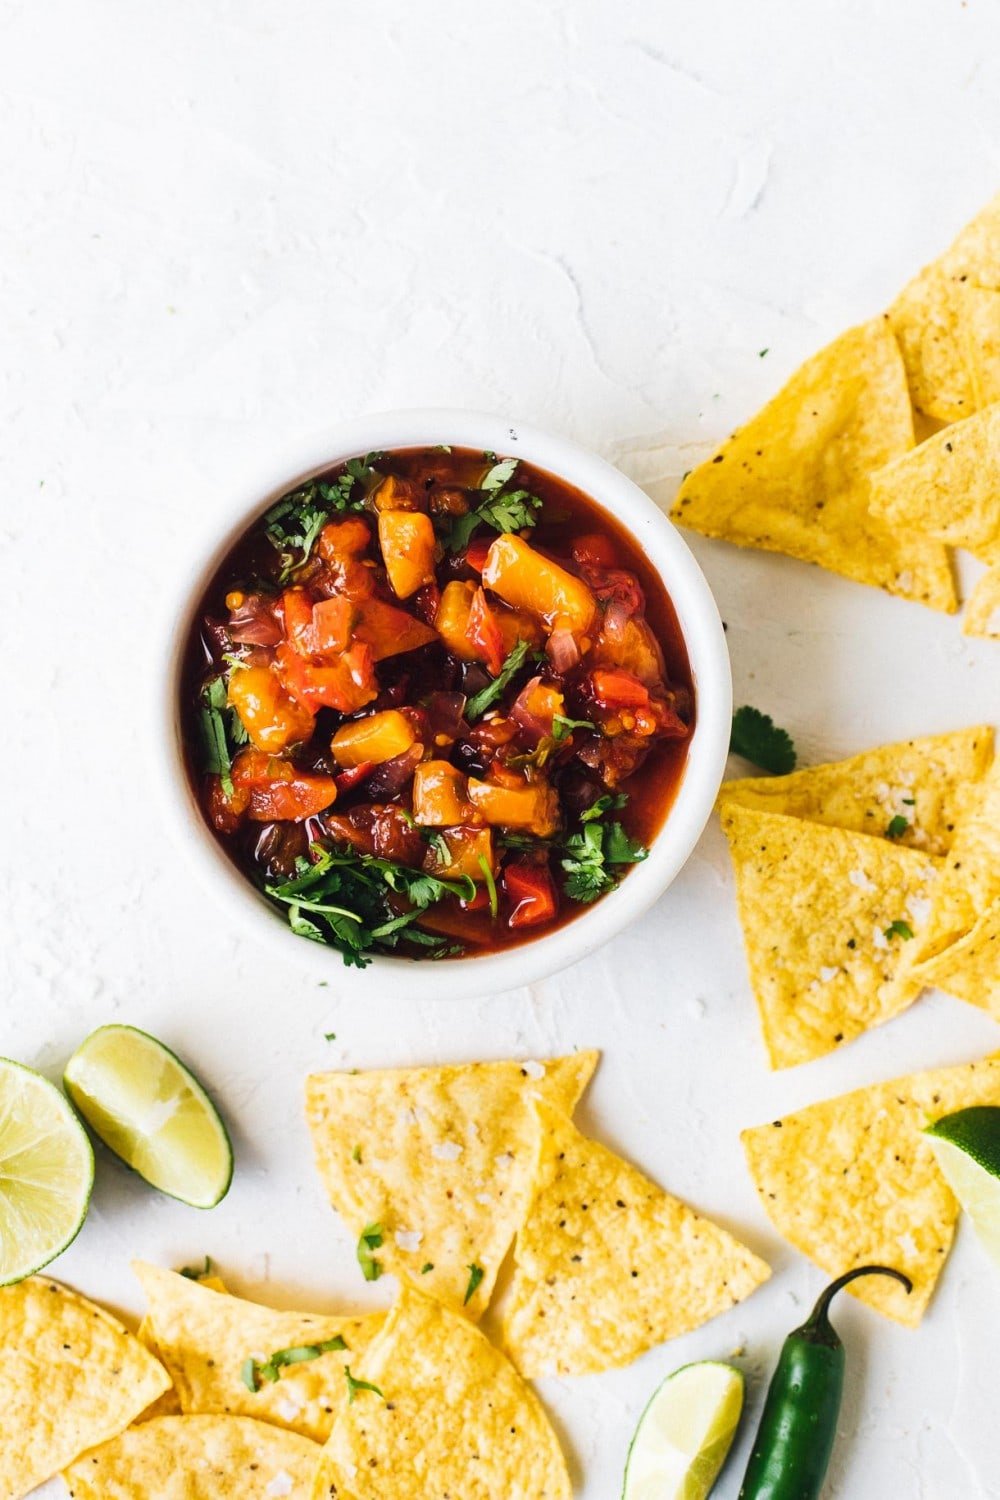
(685, 1433)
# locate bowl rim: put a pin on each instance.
(386, 976)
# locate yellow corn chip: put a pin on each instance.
(439, 1158)
(795, 479)
(168, 1405)
(196, 1458)
(608, 1264)
(70, 1377)
(982, 613)
(924, 781)
(948, 330)
(204, 1340)
(828, 919)
(970, 968)
(852, 1181)
(949, 487)
(453, 1418)
(970, 881)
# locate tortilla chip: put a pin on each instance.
(923, 780)
(947, 329)
(852, 1181)
(608, 1264)
(970, 881)
(168, 1405)
(795, 479)
(70, 1377)
(949, 487)
(817, 905)
(204, 1339)
(439, 1158)
(196, 1458)
(982, 613)
(970, 968)
(454, 1418)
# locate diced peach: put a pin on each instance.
(525, 579)
(439, 798)
(380, 737)
(532, 807)
(452, 623)
(407, 541)
(269, 714)
(635, 648)
(466, 847)
(395, 494)
(389, 631)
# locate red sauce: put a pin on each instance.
(397, 672)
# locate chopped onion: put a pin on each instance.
(254, 623)
(563, 651)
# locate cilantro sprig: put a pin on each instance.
(502, 509)
(296, 520)
(354, 1386)
(254, 1372)
(481, 701)
(562, 727)
(221, 732)
(757, 738)
(341, 899)
(593, 857)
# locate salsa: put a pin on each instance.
(435, 702)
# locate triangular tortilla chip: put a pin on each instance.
(454, 1418)
(970, 881)
(982, 613)
(947, 328)
(795, 479)
(923, 781)
(608, 1264)
(949, 487)
(168, 1405)
(853, 1182)
(828, 921)
(204, 1339)
(439, 1158)
(70, 1377)
(196, 1458)
(970, 968)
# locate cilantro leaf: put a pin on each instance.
(354, 1386)
(503, 510)
(758, 739)
(500, 474)
(897, 826)
(562, 727)
(193, 1273)
(899, 929)
(589, 854)
(253, 1371)
(476, 1274)
(428, 1265)
(477, 705)
(216, 756)
(371, 1239)
(491, 885)
(610, 803)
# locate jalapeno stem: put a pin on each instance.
(817, 1326)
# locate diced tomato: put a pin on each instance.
(530, 894)
(615, 585)
(475, 553)
(389, 631)
(427, 602)
(270, 715)
(343, 539)
(484, 633)
(615, 688)
(297, 608)
(277, 791)
(226, 813)
(331, 625)
(347, 683)
(596, 550)
(479, 902)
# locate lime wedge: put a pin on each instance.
(685, 1433)
(46, 1172)
(967, 1147)
(152, 1112)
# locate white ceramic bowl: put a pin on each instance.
(709, 659)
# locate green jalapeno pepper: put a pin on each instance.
(798, 1425)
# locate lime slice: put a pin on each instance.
(967, 1147)
(152, 1112)
(685, 1433)
(46, 1172)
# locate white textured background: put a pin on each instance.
(224, 223)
